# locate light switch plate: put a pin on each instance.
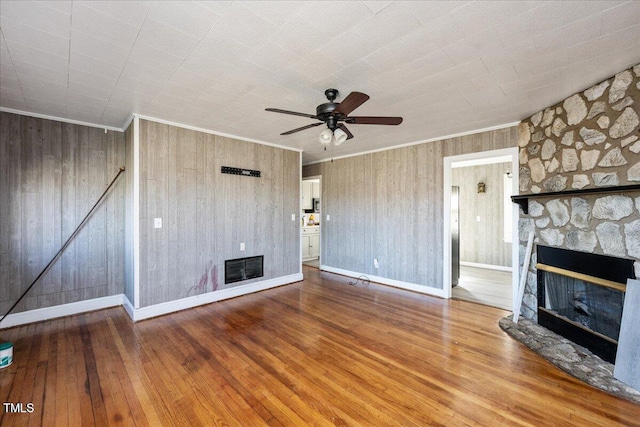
(157, 223)
(293, 217)
(328, 217)
(242, 246)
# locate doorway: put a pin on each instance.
(479, 211)
(310, 214)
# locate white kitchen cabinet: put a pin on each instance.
(310, 244)
(314, 245)
(306, 247)
(307, 195)
(315, 190)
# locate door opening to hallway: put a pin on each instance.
(310, 221)
(481, 225)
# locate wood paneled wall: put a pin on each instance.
(482, 242)
(389, 205)
(207, 214)
(51, 174)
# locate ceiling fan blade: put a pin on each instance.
(293, 113)
(345, 130)
(351, 102)
(364, 120)
(302, 128)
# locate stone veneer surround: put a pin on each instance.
(589, 140)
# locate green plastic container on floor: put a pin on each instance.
(6, 354)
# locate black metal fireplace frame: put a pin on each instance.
(602, 266)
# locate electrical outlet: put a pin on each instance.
(375, 263)
(242, 246)
(157, 223)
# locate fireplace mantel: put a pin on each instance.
(523, 199)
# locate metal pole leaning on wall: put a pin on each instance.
(64, 246)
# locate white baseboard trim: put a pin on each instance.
(142, 313)
(62, 310)
(128, 307)
(79, 307)
(487, 266)
(385, 281)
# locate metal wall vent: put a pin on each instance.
(239, 269)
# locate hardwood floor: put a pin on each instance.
(484, 286)
(318, 352)
(312, 263)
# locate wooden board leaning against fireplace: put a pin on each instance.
(627, 368)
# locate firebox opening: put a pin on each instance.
(596, 307)
(581, 296)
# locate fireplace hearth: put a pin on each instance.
(581, 295)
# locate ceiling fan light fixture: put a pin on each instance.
(325, 137)
(333, 114)
(339, 136)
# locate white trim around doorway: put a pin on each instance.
(483, 157)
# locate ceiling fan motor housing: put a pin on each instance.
(333, 113)
(325, 113)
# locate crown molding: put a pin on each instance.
(60, 119)
(212, 132)
(409, 144)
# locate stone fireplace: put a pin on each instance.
(568, 153)
(581, 296)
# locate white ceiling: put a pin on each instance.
(446, 67)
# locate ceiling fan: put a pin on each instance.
(336, 114)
